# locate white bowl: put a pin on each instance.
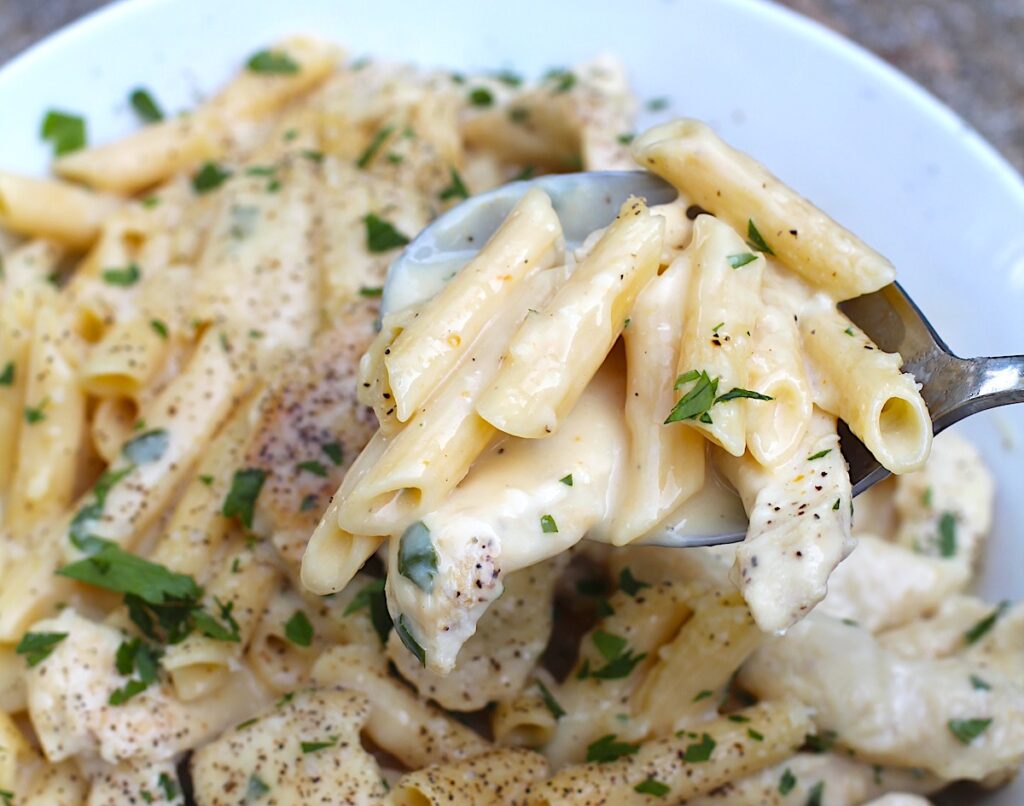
(859, 139)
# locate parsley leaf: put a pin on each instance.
(36, 414)
(267, 61)
(402, 628)
(114, 569)
(298, 630)
(567, 480)
(456, 190)
(702, 695)
(169, 786)
(947, 535)
(146, 447)
(371, 291)
(374, 146)
(241, 498)
(37, 646)
(334, 452)
(978, 684)
(209, 177)
(130, 689)
(7, 376)
(755, 239)
(967, 730)
(211, 628)
(606, 749)
(372, 595)
(312, 466)
(481, 96)
(698, 400)
(815, 795)
(975, 633)
(787, 782)
(417, 557)
(700, 751)
(144, 105)
(629, 583)
(650, 786)
(620, 660)
(312, 747)
(819, 454)
(159, 327)
(741, 259)
(548, 525)
(736, 393)
(381, 235)
(255, 789)
(125, 277)
(610, 646)
(557, 711)
(64, 130)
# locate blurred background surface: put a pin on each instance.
(970, 53)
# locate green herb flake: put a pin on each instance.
(552, 704)
(740, 718)
(651, 786)
(316, 157)
(787, 782)
(481, 96)
(312, 466)
(610, 646)
(114, 569)
(821, 742)
(240, 501)
(978, 684)
(37, 646)
(129, 690)
(334, 451)
(147, 447)
(562, 80)
(967, 730)
(456, 190)
(947, 535)
(125, 277)
(298, 630)
(150, 202)
(926, 498)
(509, 78)
(36, 414)
(313, 747)
(657, 104)
(272, 62)
(700, 751)
(755, 239)
(975, 633)
(548, 525)
(381, 235)
(757, 736)
(211, 628)
(849, 331)
(417, 557)
(835, 506)
(566, 480)
(736, 393)
(819, 455)
(741, 259)
(66, 131)
(7, 376)
(625, 138)
(209, 177)
(362, 599)
(206, 479)
(698, 400)
(145, 107)
(374, 146)
(371, 291)
(158, 327)
(629, 583)
(620, 660)
(518, 114)
(814, 797)
(255, 789)
(702, 695)
(405, 634)
(526, 173)
(607, 749)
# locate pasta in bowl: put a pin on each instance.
(257, 548)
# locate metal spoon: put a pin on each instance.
(952, 387)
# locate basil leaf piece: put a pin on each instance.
(787, 782)
(37, 646)
(402, 628)
(147, 447)
(114, 569)
(417, 557)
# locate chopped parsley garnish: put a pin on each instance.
(158, 327)
(36, 414)
(755, 239)
(255, 789)
(362, 599)
(334, 452)
(374, 146)
(248, 723)
(168, 785)
(372, 596)
(629, 583)
(741, 259)
(313, 156)
(240, 501)
(133, 687)
(848, 331)
(144, 105)
(146, 447)
(821, 742)
(651, 786)
(698, 400)
(523, 175)
(702, 695)
(620, 659)
(557, 711)
(564, 80)
(209, 177)
(267, 61)
(312, 466)
(134, 656)
(626, 138)
(127, 276)
(206, 479)
(417, 557)
(381, 235)
(37, 646)
(975, 633)
(755, 735)
(740, 718)
(548, 525)
(735, 393)
(64, 130)
(456, 190)
(657, 104)
(700, 751)
(7, 376)
(150, 202)
(566, 480)
(967, 730)
(609, 645)
(835, 506)
(816, 793)
(978, 684)
(819, 454)
(481, 96)
(947, 535)
(787, 782)
(114, 569)
(926, 498)
(606, 749)
(371, 291)
(402, 628)
(211, 628)
(298, 630)
(313, 747)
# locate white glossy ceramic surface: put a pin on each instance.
(859, 139)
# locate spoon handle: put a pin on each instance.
(976, 384)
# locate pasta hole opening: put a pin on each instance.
(899, 428)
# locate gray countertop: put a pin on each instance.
(967, 52)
